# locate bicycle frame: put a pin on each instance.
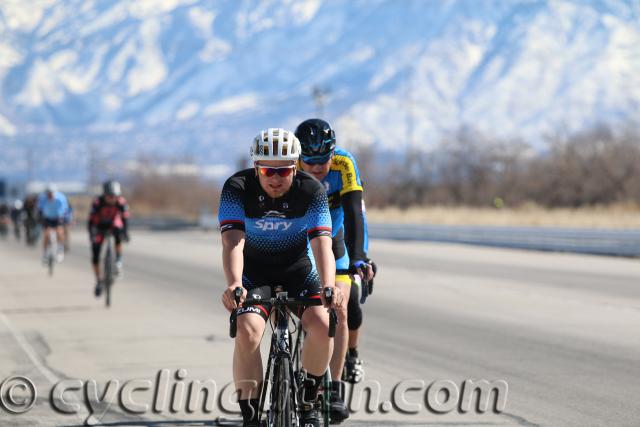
(52, 248)
(280, 357)
(280, 354)
(107, 259)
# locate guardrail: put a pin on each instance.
(590, 241)
(162, 223)
(579, 240)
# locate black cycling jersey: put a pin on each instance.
(277, 231)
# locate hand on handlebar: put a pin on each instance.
(229, 296)
(331, 297)
(363, 269)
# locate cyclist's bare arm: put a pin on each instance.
(233, 263)
(326, 265)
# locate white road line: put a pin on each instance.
(84, 415)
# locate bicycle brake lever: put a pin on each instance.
(237, 294)
(233, 320)
(233, 325)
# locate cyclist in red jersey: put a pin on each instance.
(109, 211)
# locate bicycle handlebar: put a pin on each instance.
(281, 301)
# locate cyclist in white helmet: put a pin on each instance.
(52, 206)
(273, 220)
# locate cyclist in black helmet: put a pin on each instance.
(109, 211)
(336, 169)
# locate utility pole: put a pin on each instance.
(319, 95)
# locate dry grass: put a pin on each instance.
(619, 216)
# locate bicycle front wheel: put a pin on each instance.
(282, 400)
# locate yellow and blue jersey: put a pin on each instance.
(343, 177)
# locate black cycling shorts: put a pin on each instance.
(51, 222)
(97, 240)
(299, 279)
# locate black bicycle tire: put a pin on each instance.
(282, 388)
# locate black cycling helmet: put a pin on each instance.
(317, 139)
(111, 188)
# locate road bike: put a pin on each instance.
(51, 253)
(108, 263)
(285, 397)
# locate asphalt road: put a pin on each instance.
(561, 331)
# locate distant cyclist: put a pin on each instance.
(109, 211)
(4, 219)
(31, 219)
(336, 169)
(16, 218)
(276, 230)
(52, 206)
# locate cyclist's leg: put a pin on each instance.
(60, 234)
(354, 317)
(301, 280)
(247, 360)
(96, 244)
(60, 241)
(117, 235)
(337, 407)
(45, 239)
(353, 365)
(354, 339)
(46, 225)
(344, 283)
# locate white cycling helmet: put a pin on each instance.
(275, 144)
(50, 187)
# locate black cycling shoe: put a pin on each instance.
(98, 289)
(310, 418)
(353, 371)
(337, 408)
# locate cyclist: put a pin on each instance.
(4, 219)
(276, 230)
(31, 219)
(52, 206)
(109, 211)
(16, 217)
(336, 169)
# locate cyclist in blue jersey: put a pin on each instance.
(336, 169)
(276, 230)
(53, 206)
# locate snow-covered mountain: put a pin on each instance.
(200, 78)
